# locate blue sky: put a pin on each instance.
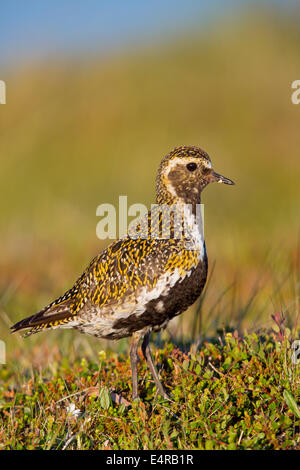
(35, 28)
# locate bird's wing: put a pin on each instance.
(119, 272)
(57, 313)
(131, 266)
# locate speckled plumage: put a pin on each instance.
(137, 284)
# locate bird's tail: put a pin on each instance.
(57, 314)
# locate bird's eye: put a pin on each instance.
(191, 166)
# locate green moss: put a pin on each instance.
(224, 396)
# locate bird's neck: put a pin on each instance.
(190, 199)
(166, 194)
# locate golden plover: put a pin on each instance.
(156, 272)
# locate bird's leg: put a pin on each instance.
(148, 356)
(134, 361)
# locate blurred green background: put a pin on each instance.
(81, 129)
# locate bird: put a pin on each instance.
(152, 274)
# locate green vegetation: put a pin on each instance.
(80, 133)
(238, 393)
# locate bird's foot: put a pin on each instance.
(135, 398)
(163, 394)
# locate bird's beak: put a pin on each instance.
(216, 178)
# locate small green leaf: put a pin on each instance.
(209, 444)
(104, 397)
(291, 402)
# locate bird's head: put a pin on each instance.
(184, 173)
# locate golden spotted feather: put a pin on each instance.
(122, 277)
